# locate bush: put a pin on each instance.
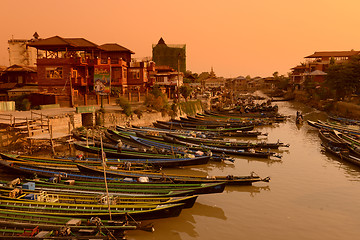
(138, 113)
(157, 100)
(125, 105)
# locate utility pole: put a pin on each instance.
(71, 92)
(178, 79)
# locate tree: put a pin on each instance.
(125, 105)
(185, 91)
(156, 99)
(344, 78)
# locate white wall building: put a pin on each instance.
(20, 54)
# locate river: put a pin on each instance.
(311, 195)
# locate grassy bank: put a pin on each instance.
(348, 109)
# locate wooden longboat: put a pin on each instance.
(74, 198)
(136, 187)
(113, 153)
(179, 148)
(20, 230)
(228, 144)
(122, 154)
(330, 138)
(16, 168)
(211, 124)
(175, 125)
(11, 218)
(158, 131)
(344, 155)
(119, 163)
(238, 152)
(186, 190)
(270, 115)
(118, 212)
(229, 180)
(47, 166)
(350, 140)
(345, 120)
(343, 129)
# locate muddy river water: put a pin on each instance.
(311, 195)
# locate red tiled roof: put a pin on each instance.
(333, 54)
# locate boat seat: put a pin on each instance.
(30, 232)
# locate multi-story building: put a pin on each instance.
(168, 79)
(69, 66)
(316, 65)
(172, 55)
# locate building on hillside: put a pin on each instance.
(172, 55)
(20, 53)
(316, 66)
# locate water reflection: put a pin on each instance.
(252, 190)
(351, 170)
(201, 209)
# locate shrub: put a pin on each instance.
(138, 113)
(157, 100)
(125, 105)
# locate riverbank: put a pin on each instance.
(62, 121)
(346, 109)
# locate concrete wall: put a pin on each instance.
(61, 124)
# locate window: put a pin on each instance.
(74, 73)
(135, 73)
(54, 72)
(20, 79)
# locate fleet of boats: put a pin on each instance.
(339, 139)
(118, 181)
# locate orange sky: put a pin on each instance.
(235, 37)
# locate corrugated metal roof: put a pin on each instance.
(18, 68)
(62, 43)
(80, 42)
(114, 47)
(7, 85)
(333, 54)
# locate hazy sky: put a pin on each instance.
(235, 37)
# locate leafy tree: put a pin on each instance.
(185, 91)
(125, 105)
(344, 78)
(156, 99)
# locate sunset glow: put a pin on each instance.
(234, 37)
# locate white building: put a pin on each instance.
(20, 53)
